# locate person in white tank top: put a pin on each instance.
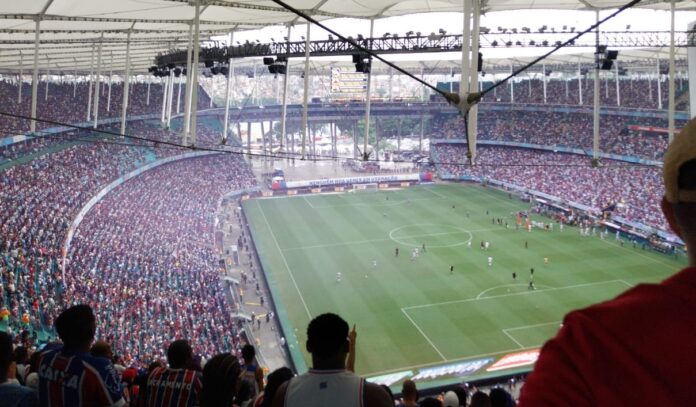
(329, 382)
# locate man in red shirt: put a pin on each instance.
(637, 349)
(177, 385)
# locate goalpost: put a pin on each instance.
(373, 186)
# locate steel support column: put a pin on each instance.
(35, 76)
(305, 97)
(368, 101)
(97, 84)
(126, 83)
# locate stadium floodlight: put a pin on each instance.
(532, 43)
(508, 44)
(494, 43)
(514, 30)
(442, 31)
(268, 60)
(409, 34)
(360, 37)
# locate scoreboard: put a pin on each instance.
(347, 82)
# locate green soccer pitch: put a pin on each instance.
(414, 313)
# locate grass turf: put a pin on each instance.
(414, 313)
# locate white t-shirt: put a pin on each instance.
(319, 388)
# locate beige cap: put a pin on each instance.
(680, 151)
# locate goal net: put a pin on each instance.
(366, 187)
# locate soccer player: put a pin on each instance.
(338, 277)
(423, 249)
(531, 285)
(546, 260)
(396, 252)
(452, 269)
(531, 272)
(468, 244)
(70, 374)
(374, 264)
(487, 244)
(490, 261)
(514, 276)
(526, 245)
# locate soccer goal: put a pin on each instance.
(374, 186)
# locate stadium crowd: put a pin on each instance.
(573, 130)
(637, 188)
(142, 258)
(67, 103)
(634, 93)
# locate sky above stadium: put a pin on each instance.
(637, 19)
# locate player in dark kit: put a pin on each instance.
(396, 252)
(514, 275)
(451, 269)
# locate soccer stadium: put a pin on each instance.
(268, 203)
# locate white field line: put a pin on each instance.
(514, 294)
(354, 242)
(517, 328)
(424, 335)
(640, 254)
(434, 192)
(482, 293)
(282, 256)
(308, 202)
(513, 339)
(506, 331)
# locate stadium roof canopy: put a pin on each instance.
(70, 28)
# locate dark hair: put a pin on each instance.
(220, 381)
(5, 355)
(248, 353)
(326, 335)
(275, 380)
(430, 402)
(76, 326)
(461, 394)
(179, 354)
(101, 349)
(480, 399)
(388, 390)
(408, 389)
(20, 354)
(500, 398)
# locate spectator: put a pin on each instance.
(450, 400)
(252, 374)
(430, 402)
(632, 350)
(389, 392)
(101, 349)
(177, 385)
(275, 380)
(481, 399)
(409, 394)
(501, 398)
(69, 376)
(328, 382)
(12, 393)
(220, 381)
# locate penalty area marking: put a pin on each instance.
(506, 331)
(459, 230)
(482, 293)
(436, 304)
(424, 335)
